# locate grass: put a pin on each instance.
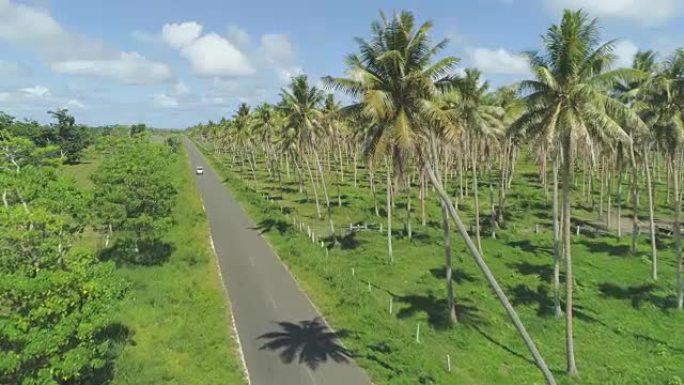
(175, 313)
(626, 330)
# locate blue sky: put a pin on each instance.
(175, 63)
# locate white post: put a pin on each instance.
(448, 363)
(578, 230)
(390, 306)
(353, 272)
(369, 287)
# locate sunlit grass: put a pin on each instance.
(626, 331)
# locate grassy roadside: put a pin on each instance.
(176, 313)
(624, 328)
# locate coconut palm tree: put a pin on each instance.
(395, 81)
(301, 107)
(568, 104)
(665, 95)
(482, 122)
(631, 92)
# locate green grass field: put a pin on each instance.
(626, 331)
(176, 312)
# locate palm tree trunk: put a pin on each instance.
(371, 176)
(675, 230)
(476, 196)
(619, 200)
(325, 190)
(389, 213)
(409, 231)
(356, 169)
(567, 180)
(602, 176)
(556, 242)
(472, 248)
(313, 185)
(651, 220)
(451, 303)
(422, 198)
(635, 206)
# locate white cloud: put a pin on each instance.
(209, 54)
(212, 55)
(181, 35)
(4, 96)
(499, 61)
(624, 51)
(238, 36)
(286, 74)
(129, 68)
(180, 89)
(278, 49)
(165, 101)
(75, 103)
(651, 12)
(72, 53)
(36, 91)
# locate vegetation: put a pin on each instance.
(143, 308)
(422, 128)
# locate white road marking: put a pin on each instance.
(236, 335)
(213, 248)
(251, 260)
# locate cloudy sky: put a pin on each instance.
(175, 63)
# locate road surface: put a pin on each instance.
(283, 339)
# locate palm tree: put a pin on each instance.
(396, 81)
(631, 91)
(301, 106)
(568, 104)
(666, 98)
(482, 122)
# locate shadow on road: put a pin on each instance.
(308, 342)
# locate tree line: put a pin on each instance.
(414, 120)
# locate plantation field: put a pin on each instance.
(175, 318)
(626, 328)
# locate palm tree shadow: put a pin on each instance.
(309, 342)
(637, 295)
(437, 312)
(458, 275)
(269, 224)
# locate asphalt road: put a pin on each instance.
(283, 338)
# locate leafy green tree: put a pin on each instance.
(138, 129)
(71, 138)
(133, 196)
(55, 304)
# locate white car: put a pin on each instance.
(199, 170)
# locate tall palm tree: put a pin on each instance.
(568, 104)
(482, 122)
(301, 106)
(395, 80)
(666, 98)
(631, 91)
